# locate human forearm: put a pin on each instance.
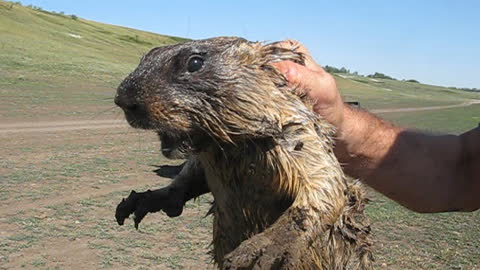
(471, 167)
(422, 172)
(363, 140)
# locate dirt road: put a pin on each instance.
(58, 126)
(430, 108)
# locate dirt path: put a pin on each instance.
(430, 108)
(58, 126)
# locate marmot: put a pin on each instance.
(281, 199)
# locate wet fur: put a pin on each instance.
(281, 198)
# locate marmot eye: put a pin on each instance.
(195, 63)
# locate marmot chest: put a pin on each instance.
(247, 199)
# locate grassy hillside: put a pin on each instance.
(51, 63)
(384, 93)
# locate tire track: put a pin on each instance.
(429, 108)
(61, 126)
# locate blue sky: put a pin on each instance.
(436, 42)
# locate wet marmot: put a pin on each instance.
(281, 199)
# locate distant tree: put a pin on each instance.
(412, 81)
(74, 17)
(468, 89)
(378, 75)
(464, 89)
(331, 69)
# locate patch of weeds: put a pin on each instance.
(30, 233)
(63, 211)
(25, 240)
(134, 39)
(91, 203)
(109, 256)
(38, 263)
(150, 256)
(106, 262)
(188, 246)
(4, 194)
(32, 174)
(173, 261)
(26, 149)
(99, 246)
(137, 243)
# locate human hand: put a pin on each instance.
(317, 84)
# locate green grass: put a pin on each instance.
(454, 120)
(407, 240)
(47, 60)
(384, 93)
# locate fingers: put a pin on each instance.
(319, 86)
(298, 47)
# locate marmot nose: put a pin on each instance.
(125, 97)
(124, 102)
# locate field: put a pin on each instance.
(68, 158)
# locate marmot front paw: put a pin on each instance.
(168, 199)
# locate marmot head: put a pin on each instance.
(218, 90)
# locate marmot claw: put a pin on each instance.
(140, 204)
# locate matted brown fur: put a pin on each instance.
(282, 200)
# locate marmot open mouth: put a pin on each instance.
(175, 147)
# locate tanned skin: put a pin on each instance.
(423, 172)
